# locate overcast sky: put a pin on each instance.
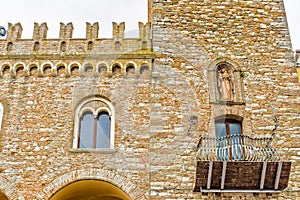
(103, 11)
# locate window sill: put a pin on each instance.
(92, 150)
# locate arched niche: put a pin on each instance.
(236, 76)
(2, 196)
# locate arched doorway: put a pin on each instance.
(90, 190)
(2, 196)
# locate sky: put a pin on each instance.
(103, 11)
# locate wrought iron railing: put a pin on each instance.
(236, 148)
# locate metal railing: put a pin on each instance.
(236, 148)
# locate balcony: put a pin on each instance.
(239, 163)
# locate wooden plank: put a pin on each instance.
(209, 174)
(263, 175)
(223, 174)
(278, 173)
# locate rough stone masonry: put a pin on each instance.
(164, 91)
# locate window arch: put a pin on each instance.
(36, 46)
(1, 114)
(94, 124)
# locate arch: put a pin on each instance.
(7, 189)
(45, 66)
(144, 45)
(144, 68)
(9, 46)
(102, 67)
(214, 64)
(1, 114)
(229, 116)
(31, 67)
(59, 66)
(234, 71)
(118, 45)
(112, 177)
(90, 189)
(81, 108)
(88, 67)
(116, 68)
(63, 46)
(90, 45)
(130, 69)
(103, 109)
(36, 46)
(5, 67)
(86, 109)
(72, 66)
(18, 66)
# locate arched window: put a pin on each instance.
(85, 138)
(1, 114)
(36, 46)
(94, 131)
(229, 139)
(90, 46)
(103, 130)
(94, 124)
(63, 46)
(118, 45)
(9, 46)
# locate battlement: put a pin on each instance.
(298, 58)
(40, 44)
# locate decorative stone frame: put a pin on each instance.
(114, 177)
(80, 109)
(236, 75)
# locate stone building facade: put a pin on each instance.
(298, 62)
(165, 97)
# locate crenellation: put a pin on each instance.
(145, 31)
(92, 30)
(65, 44)
(118, 31)
(66, 31)
(40, 31)
(14, 32)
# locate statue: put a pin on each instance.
(225, 85)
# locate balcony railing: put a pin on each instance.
(236, 147)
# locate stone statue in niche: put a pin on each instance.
(225, 85)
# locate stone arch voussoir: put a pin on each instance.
(8, 189)
(112, 177)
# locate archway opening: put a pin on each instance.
(90, 190)
(2, 196)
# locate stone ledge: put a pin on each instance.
(91, 150)
(228, 103)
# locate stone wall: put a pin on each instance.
(190, 38)
(40, 90)
(160, 113)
